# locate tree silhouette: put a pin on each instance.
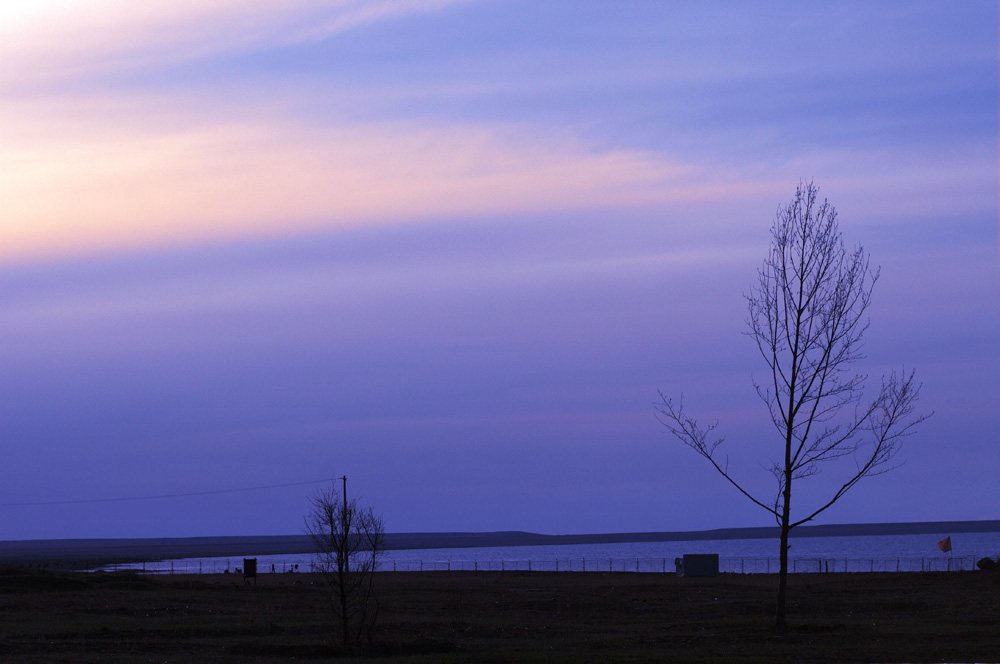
(349, 541)
(806, 315)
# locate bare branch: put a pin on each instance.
(687, 430)
(349, 542)
(807, 315)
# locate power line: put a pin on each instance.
(165, 495)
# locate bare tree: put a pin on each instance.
(807, 317)
(350, 542)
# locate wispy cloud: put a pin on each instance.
(121, 174)
(91, 162)
(103, 181)
(407, 221)
(57, 39)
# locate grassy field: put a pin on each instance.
(503, 617)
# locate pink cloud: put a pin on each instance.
(105, 181)
(55, 39)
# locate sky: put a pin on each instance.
(452, 250)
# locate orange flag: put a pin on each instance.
(945, 544)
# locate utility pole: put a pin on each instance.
(345, 493)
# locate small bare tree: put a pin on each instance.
(807, 317)
(350, 542)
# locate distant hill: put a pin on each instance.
(91, 552)
(517, 538)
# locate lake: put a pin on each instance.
(807, 554)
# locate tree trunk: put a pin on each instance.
(344, 616)
(782, 582)
(783, 555)
(342, 571)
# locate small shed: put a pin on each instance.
(250, 569)
(698, 564)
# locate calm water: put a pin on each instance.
(808, 554)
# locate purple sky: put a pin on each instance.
(453, 249)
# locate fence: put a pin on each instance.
(732, 565)
(666, 565)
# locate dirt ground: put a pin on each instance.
(503, 617)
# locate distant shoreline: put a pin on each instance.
(83, 551)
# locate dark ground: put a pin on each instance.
(504, 617)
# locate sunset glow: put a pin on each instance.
(452, 249)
